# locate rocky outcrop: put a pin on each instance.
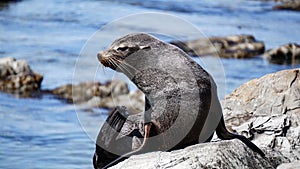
(266, 110)
(288, 5)
(235, 46)
(95, 94)
(17, 77)
(222, 154)
(285, 54)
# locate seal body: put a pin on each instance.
(178, 90)
(182, 107)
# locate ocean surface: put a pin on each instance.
(54, 36)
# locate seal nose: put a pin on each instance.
(99, 56)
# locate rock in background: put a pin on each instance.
(17, 77)
(285, 54)
(235, 46)
(293, 5)
(95, 94)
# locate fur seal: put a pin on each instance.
(181, 97)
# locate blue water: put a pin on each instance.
(45, 132)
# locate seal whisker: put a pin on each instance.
(132, 67)
(124, 68)
(103, 68)
(129, 68)
(119, 65)
(111, 63)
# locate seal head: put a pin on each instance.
(123, 47)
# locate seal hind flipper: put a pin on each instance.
(224, 134)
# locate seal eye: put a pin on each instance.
(122, 48)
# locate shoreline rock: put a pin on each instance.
(285, 54)
(234, 46)
(16, 77)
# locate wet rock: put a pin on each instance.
(221, 154)
(235, 46)
(288, 5)
(268, 110)
(17, 77)
(95, 94)
(285, 54)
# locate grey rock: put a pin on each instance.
(17, 77)
(292, 165)
(221, 154)
(235, 46)
(285, 54)
(268, 110)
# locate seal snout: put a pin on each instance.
(100, 56)
(106, 59)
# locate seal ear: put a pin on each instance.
(145, 47)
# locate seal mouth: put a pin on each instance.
(110, 62)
